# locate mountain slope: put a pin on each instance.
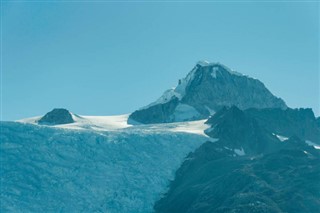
(213, 180)
(206, 89)
(248, 169)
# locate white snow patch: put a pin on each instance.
(203, 63)
(195, 127)
(239, 152)
(209, 129)
(211, 111)
(30, 120)
(213, 140)
(310, 143)
(119, 122)
(104, 122)
(280, 137)
(206, 63)
(180, 90)
(101, 123)
(183, 83)
(166, 97)
(214, 72)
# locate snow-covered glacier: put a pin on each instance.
(48, 169)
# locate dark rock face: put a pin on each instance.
(214, 181)
(56, 116)
(227, 89)
(159, 113)
(318, 121)
(207, 88)
(268, 176)
(237, 130)
(288, 122)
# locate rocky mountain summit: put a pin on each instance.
(205, 90)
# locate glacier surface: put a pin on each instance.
(48, 169)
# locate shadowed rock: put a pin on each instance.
(56, 116)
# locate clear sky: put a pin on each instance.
(105, 58)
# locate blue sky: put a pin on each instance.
(104, 58)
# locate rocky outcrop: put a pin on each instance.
(206, 89)
(248, 168)
(239, 131)
(289, 122)
(282, 122)
(56, 116)
(159, 113)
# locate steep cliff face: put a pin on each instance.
(206, 89)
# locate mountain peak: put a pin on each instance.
(206, 89)
(205, 63)
(215, 66)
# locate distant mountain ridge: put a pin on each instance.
(205, 90)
